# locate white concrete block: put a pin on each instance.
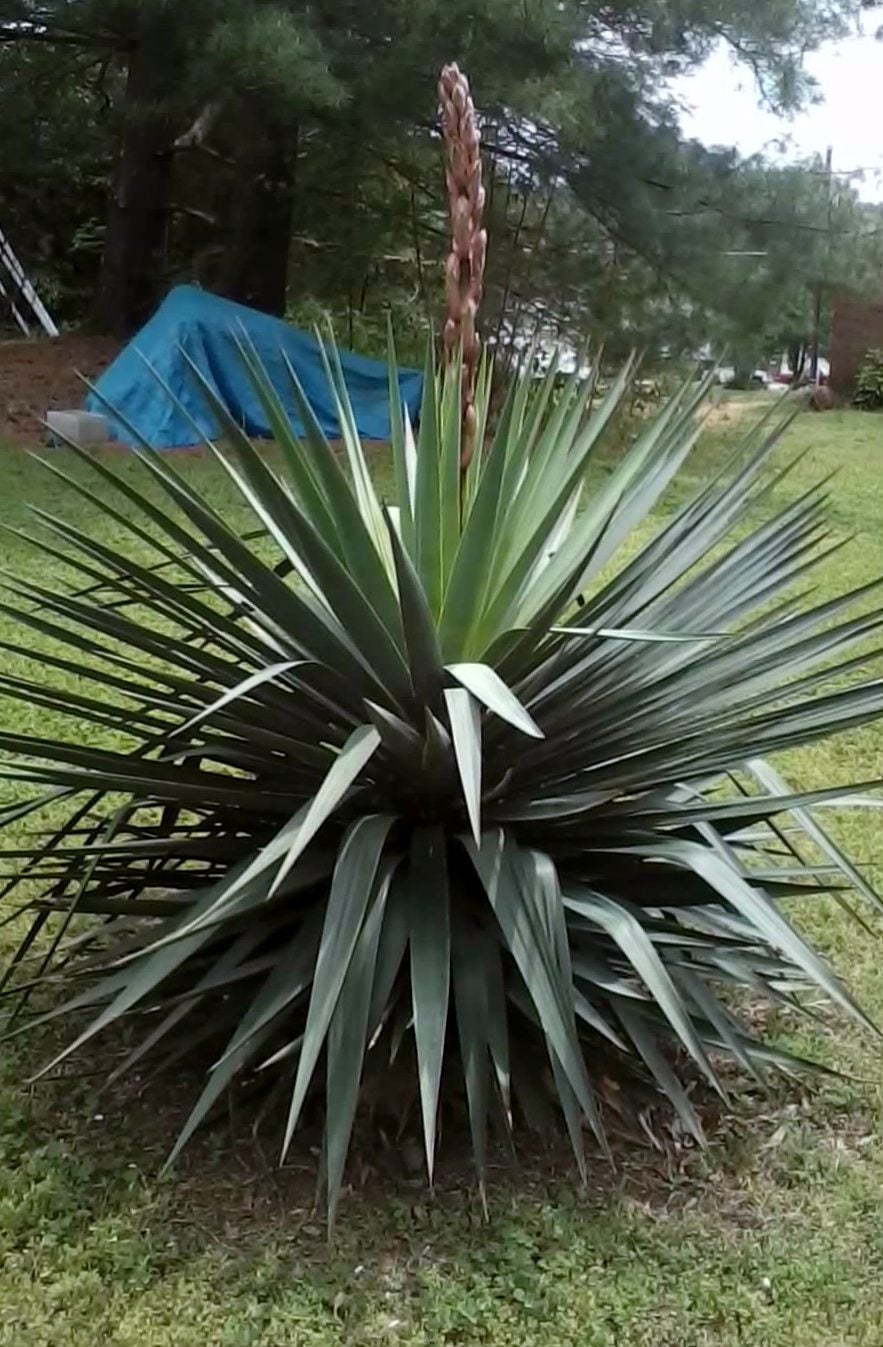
(84, 428)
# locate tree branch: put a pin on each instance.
(194, 138)
(62, 37)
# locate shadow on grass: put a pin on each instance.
(84, 1156)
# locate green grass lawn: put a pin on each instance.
(773, 1239)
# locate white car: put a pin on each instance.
(726, 374)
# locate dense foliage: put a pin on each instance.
(869, 382)
(284, 154)
(445, 788)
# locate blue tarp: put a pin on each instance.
(207, 328)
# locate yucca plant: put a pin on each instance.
(420, 777)
(438, 782)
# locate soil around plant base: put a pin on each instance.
(41, 374)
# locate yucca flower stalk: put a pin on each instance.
(464, 269)
(440, 784)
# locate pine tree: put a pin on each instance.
(240, 125)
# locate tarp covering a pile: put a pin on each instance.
(208, 328)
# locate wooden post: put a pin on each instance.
(817, 309)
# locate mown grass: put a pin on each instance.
(774, 1239)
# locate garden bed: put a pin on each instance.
(40, 375)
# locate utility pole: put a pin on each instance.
(817, 313)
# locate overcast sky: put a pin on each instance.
(721, 107)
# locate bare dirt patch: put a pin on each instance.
(729, 412)
(40, 375)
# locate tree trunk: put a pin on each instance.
(131, 271)
(262, 213)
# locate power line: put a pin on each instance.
(704, 207)
(841, 172)
(708, 207)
